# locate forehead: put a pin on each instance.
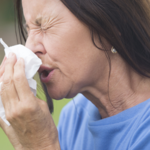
(36, 9)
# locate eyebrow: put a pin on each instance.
(38, 22)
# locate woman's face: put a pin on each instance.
(71, 63)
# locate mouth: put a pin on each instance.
(45, 73)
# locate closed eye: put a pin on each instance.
(26, 26)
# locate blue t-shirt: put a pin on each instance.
(81, 127)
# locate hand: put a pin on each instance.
(32, 127)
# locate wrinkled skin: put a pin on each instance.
(32, 126)
(63, 43)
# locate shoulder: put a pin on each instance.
(141, 136)
(77, 108)
(73, 124)
(76, 102)
(72, 110)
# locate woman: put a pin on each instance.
(100, 48)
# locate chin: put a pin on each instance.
(60, 93)
(55, 94)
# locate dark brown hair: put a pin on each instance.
(125, 24)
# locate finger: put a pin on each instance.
(3, 61)
(10, 62)
(2, 70)
(9, 97)
(7, 129)
(8, 91)
(2, 124)
(2, 67)
(1, 78)
(20, 81)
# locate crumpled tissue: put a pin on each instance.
(32, 64)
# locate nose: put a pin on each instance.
(35, 44)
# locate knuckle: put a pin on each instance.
(18, 66)
(28, 109)
(30, 96)
(43, 103)
(9, 117)
(17, 76)
(13, 115)
(7, 79)
(8, 62)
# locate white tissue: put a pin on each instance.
(32, 64)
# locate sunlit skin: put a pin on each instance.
(64, 44)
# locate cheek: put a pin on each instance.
(91, 68)
(62, 52)
(67, 41)
(74, 54)
(75, 70)
(75, 59)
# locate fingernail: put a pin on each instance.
(10, 55)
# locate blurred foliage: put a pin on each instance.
(6, 11)
(58, 104)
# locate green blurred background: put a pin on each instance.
(7, 32)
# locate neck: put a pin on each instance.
(124, 89)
